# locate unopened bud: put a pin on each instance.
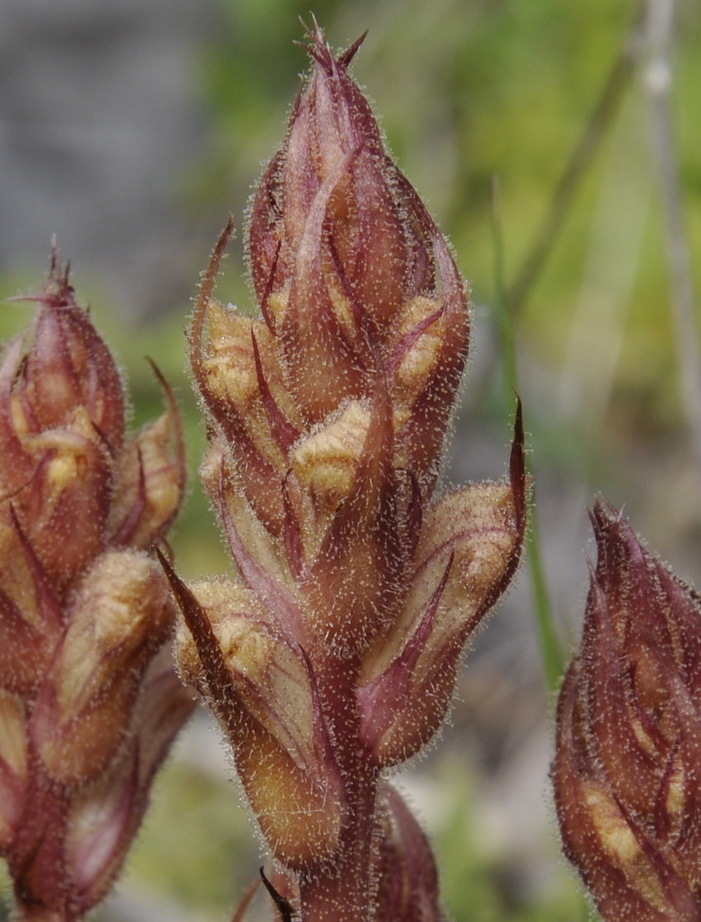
(267, 676)
(31, 620)
(408, 878)
(326, 461)
(119, 619)
(262, 690)
(104, 818)
(408, 675)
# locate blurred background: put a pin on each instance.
(558, 146)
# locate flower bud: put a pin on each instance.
(267, 676)
(61, 423)
(238, 396)
(103, 819)
(120, 617)
(408, 879)
(325, 461)
(469, 547)
(244, 379)
(628, 753)
(351, 585)
(261, 688)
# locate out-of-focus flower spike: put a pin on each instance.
(625, 737)
(24, 650)
(19, 467)
(627, 882)
(628, 747)
(99, 827)
(80, 618)
(66, 504)
(46, 607)
(685, 602)
(36, 859)
(62, 425)
(164, 706)
(677, 810)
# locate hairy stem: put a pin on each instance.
(344, 889)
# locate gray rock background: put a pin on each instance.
(99, 120)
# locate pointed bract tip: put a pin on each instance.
(319, 49)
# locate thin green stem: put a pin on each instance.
(551, 653)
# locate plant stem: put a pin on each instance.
(344, 889)
(551, 654)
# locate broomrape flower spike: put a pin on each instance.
(332, 654)
(628, 753)
(89, 700)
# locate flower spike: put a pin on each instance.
(357, 589)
